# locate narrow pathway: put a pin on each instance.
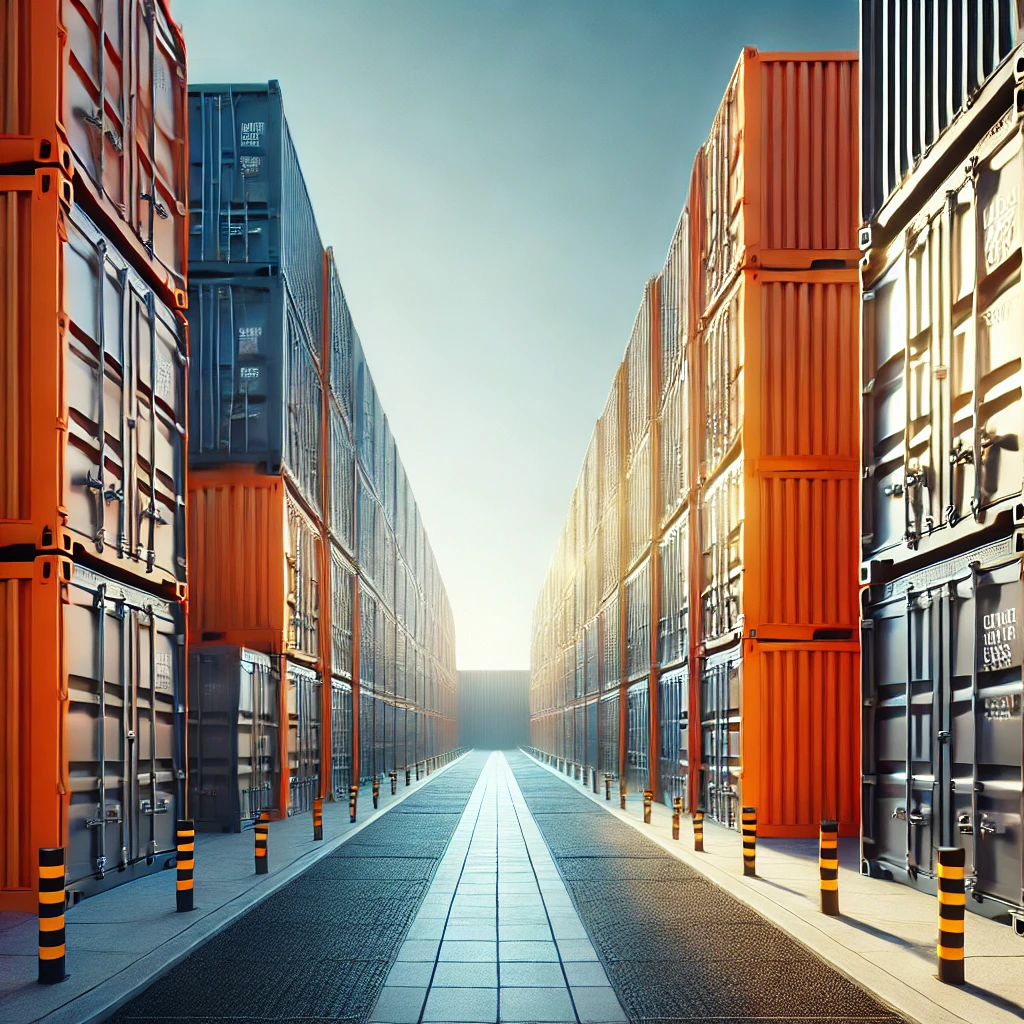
(497, 937)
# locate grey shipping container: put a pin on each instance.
(942, 384)
(494, 711)
(341, 738)
(922, 67)
(233, 721)
(942, 724)
(720, 701)
(303, 701)
(255, 389)
(609, 755)
(125, 730)
(673, 713)
(249, 208)
(638, 736)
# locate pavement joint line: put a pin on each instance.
(875, 980)
(141, 973)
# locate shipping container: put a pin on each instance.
(493, 709)
(233, 733)
(638, 737)
(778, 510)
(609, 755)
(780, 167)
(673, 735)
(341, 738)
(942, 373)
(340, 343)
(942, 738)
(87, 342)
(93, 730)
(257, 564)
(303, 704)
(99, 91)
(255, 393)
(935, 77)
(778, 725)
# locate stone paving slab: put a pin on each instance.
(120, 940)
(885, 939)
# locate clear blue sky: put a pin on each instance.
(498, 179)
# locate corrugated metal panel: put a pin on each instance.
(675, 447)
(923, 65)
(638, 622)
(638, 378)
(722, 578)
(942, 372)
(341, 487)
(638, 502)
(340, 342)
(113, 494)
(675, 305)
(342, 592)
(800, 737)
(674, 624)
(305, 581)
(101, 92)
(722, 362)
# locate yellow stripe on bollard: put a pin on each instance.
(952, 903)
(353, 796)
(749, 826)
(698, 831)
(262, 831)
(828, 867)
(51, 943)
(648, 801)
(318, 819)
(185, 837)
(677, 809)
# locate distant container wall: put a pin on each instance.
(494, 709)
(927, 68)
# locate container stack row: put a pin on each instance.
(322, 640)
(943, 511)
(697, 631)
(93, 372)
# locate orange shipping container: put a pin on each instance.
(779, 732)
(257, 564)
(100, 91)
(92, 393)
(779, 515)
(780, 168)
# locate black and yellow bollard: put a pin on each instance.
(648, 800)
(408, 775)
(318, 818)
(677, 810)
(185, 842)
(698, 831)
(749, 826)
(375, 791)
(607, 785)
(262, 831)
(622, 794)
(52, 947)
(828, 867)
(952, 902)
(394, 782)
(353, 796)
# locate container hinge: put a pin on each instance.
(943, 735)
(900, 813)
(112, 817)
(146, 807)
(114, 139)
(158, 208)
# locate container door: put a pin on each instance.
(266, 770)
(579, 750)
(341, 738)
(720, 701)
(125, 686)
(365, 736)
(303, 738)
(610, 734)
(592, 751)
(637, 737)
(673, 702)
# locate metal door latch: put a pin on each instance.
(146, 807)
(112, 816)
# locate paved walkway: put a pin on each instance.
(886, 937)
(497, 937)
(121, 939)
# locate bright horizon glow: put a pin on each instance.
(498, 180)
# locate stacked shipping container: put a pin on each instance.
(730, 604)
(307, 542)
(93, 361)
(942, 407)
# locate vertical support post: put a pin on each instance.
(677, 809)
(408, 775)
(749, 826)
(353, 795)
(622, 793)
(52, 947)
(648, 800)
(698, 831)
(607, 785)
(393, 776)
(185, 842)
(318, 819)
(262, 831)
(952, 903)
(828, 867)
(376, 791)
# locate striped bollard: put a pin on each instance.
(393, 776)
(749, 827)
(353, 794)
(622, 794)
(52, 947)
(376, 791)
(417, 771)
(262, 835)
(677, 809)
(952, 902)
(408, 775)
(607, 785)
(318, 818)
(828, 867)
(698, 831)
(185, 841)
(648, 800)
